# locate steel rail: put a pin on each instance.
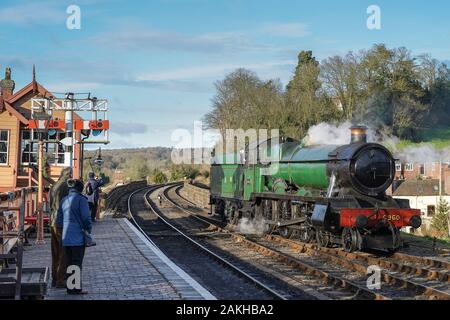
(388, 264)
(130, 214)
(292, 261)
(394, 266)
(211, 253)
(350, 261)
(346, 259)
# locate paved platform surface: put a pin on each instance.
(123, 266)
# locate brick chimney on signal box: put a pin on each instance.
(7, 85)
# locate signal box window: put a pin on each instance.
(54, 150)
(409, 167)
(4, 141)
(29, 148)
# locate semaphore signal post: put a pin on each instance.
(52, 115)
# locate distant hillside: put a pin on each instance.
(130, 160)
(138, 163)
(439, 136)
(155, 157)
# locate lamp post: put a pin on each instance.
(98, 161)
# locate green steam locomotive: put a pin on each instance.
(334, 195)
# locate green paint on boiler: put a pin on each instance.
(303, 174)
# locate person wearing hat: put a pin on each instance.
(91, 190)
(75, 220)
(58, 191)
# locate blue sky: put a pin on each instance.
(157, 61)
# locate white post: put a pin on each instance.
(440, 178)
(106, 132)
(69, 124)
(94, 109)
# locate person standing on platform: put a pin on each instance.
(75, 219)
(58, 191)
(92, 192)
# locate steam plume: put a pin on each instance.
(338, 134)
(251, 226)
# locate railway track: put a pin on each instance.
(297, 272)
(412, 278)
(224, 278)
(410, 264)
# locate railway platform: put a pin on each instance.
(124, 265)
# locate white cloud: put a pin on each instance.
(211, 70)
(32, 12)
(288, 30)
(139, 38)
(128, 128)
(72, 86)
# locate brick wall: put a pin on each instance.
(199, 196)
(447, 180)
(430, 170)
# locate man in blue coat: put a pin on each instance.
(74, 218)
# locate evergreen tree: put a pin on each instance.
(441, 217)
(303, 107)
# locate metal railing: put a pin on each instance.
(19, 234)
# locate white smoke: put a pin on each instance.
(423, 153)
(336, 134)
(251, 226)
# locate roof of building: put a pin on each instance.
(20, 113)
(428, 187)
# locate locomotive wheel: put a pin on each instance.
(307, 234)
(396, 239)
(234, 218)
(259, 207)
(231, 213)
(285, 211)
(268, 214)
(323, 238)
(350, 239)
(219, 209)
(286, 232)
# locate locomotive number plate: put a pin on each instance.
(393, 217)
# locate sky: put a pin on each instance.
(157, 61)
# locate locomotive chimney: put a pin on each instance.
(359, 134)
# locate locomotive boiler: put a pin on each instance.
(332, 194)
